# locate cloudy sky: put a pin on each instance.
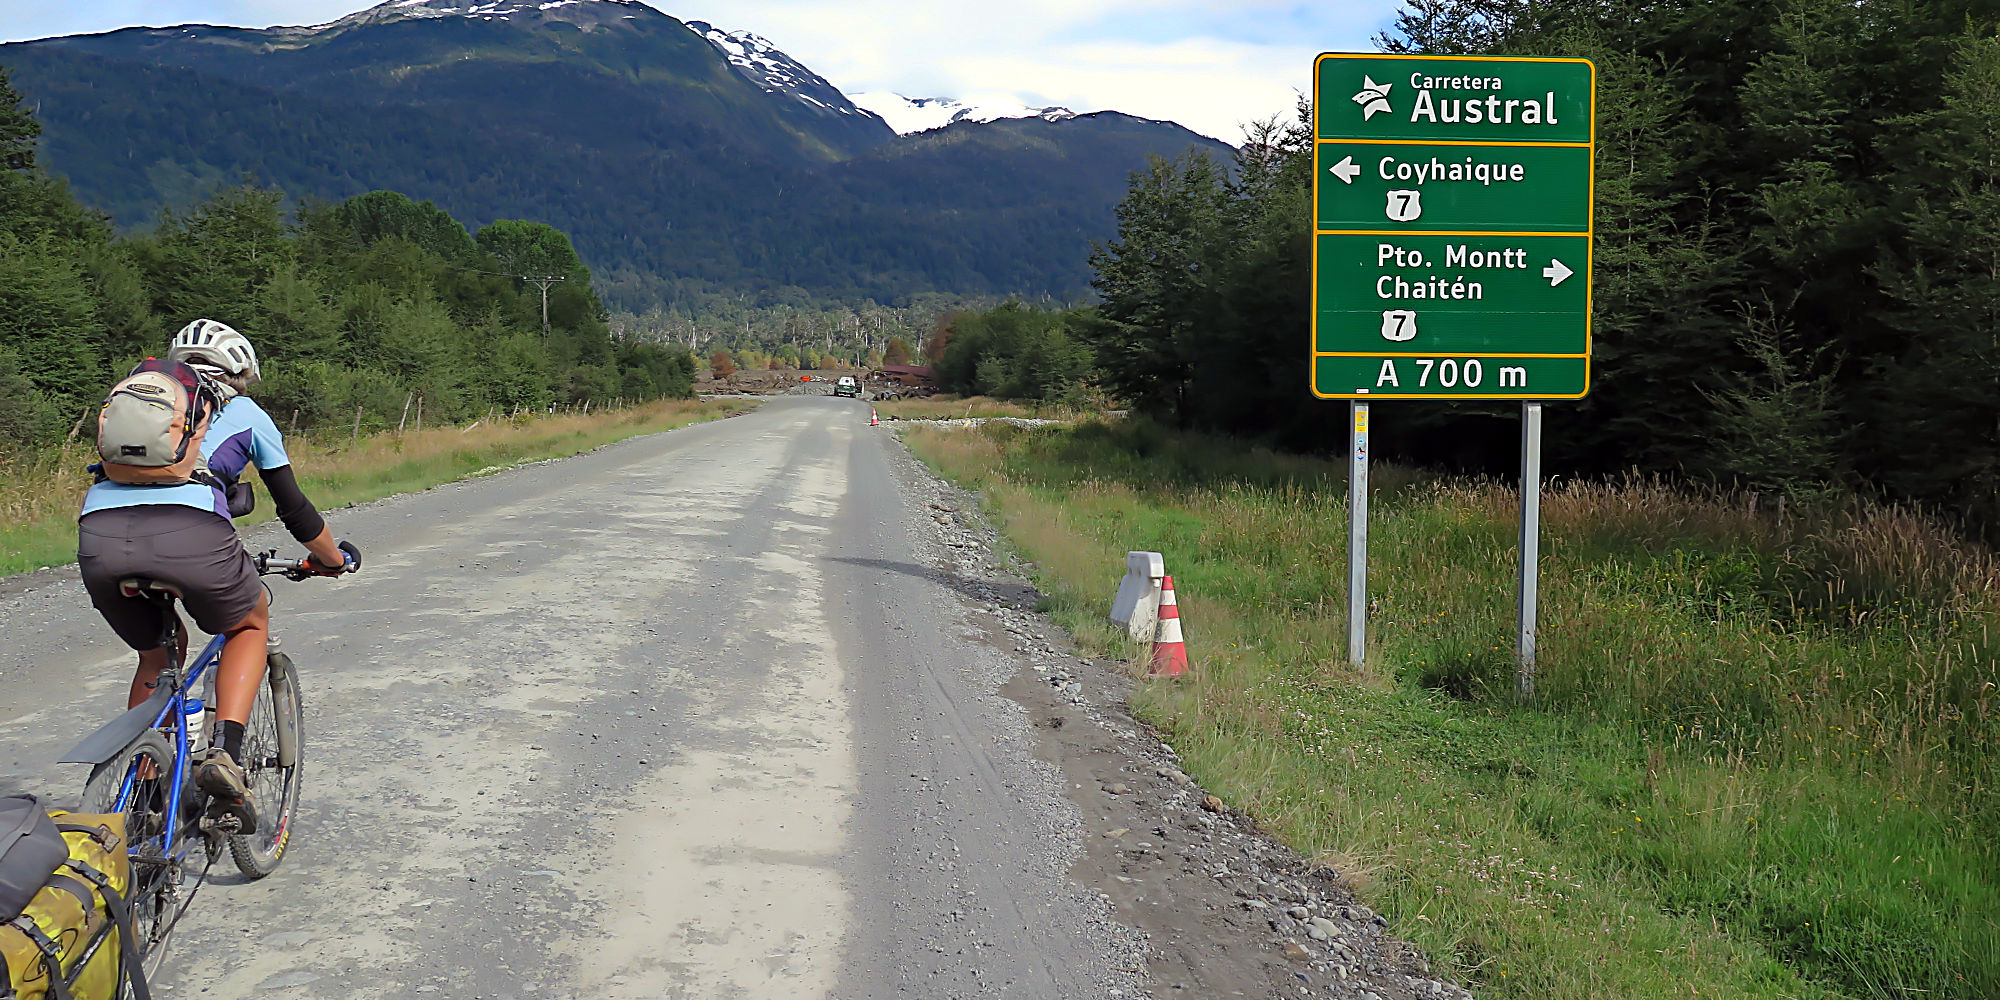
(1208, 64)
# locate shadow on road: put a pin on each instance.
(1011, 594)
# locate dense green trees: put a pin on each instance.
(1018, 352)
(364, 304)
(1797, 284)
(1944, 296)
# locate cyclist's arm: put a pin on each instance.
(300, 516)
(267, 452)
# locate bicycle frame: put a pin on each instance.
(176, 709)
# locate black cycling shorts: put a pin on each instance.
(195, 551)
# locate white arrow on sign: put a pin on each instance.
(1556, 272)
(1347, 170)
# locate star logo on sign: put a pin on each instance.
(1373, 97)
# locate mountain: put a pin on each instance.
(908, 115)
(682, 159)
(765, 65)
(638, 71)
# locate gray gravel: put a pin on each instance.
(683, 717)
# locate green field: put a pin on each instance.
(1761, 761)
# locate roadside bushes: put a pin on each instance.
(1017, 352)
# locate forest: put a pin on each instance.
(674, 210)
(360, 311)
(1797, 258)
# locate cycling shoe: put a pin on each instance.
(225, 782)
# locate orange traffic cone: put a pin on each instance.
(1169, 649)
(873, 420)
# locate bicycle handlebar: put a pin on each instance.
(268, 563)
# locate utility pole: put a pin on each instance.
(544, 280)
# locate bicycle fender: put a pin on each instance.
(281, 668)
(119, 733)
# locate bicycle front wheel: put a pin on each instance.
(273, 760)
(149, 763)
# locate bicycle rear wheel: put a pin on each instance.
(151, 893)
(272, 761)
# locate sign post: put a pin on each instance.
(1531, 544)
(1452, 208)
(1357, 533)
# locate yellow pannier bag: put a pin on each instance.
(67, 944)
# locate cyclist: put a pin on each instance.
(181, 535)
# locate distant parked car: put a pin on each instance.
(847, 386)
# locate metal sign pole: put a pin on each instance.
(1357, 533)
(1531, 540)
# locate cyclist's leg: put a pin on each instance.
(244, 653)
(152, 661)
(220, 590)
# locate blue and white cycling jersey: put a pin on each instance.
(241, 435)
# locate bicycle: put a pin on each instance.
(142, 763)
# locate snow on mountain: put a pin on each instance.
(921, 114)
(486, 10)
(752, 56)
(767, 66)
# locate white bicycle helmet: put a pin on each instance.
(217, 344)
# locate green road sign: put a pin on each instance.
(1457, 376)
(1452, 218)
(1483, 294)
(1412, 186)
(1454, 98)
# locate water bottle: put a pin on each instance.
(196, 715)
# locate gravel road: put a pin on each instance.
(740, 710)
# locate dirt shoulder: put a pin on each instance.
(1227, 910)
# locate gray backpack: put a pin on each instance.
(150, 430)
(31, 849)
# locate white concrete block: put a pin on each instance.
(1138, 602)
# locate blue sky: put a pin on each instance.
(1208, 64)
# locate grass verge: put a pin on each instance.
(38, 518)
(1761, 762)
(947, 407)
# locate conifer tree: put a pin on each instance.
(1945, 382)
(1161, 279)
(18, 128)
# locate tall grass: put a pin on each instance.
(41, 492)
(1761, 760)
(947, 407)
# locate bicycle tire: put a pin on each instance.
(150, 889)
(272, 736)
